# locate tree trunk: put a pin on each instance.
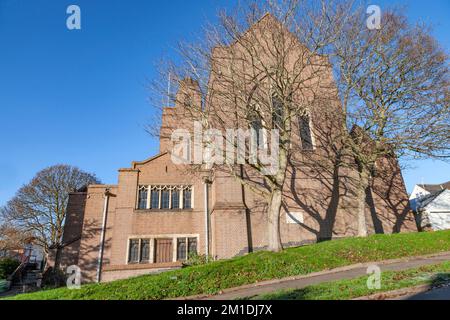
(362, 186)
(274, 239)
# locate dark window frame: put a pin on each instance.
(165, 202)
(175, 200)
(142, 200)
(182, 254)
(187, 201)
(165, 198)
(257, 125)
(277, 113)
(133, 251)
(153, 193)
(305, 133)
(144, 258)
(194, 244)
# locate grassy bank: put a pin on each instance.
(354, 288)
(219, 275)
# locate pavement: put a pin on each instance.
(347, 272)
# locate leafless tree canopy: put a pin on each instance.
(39, 208)
(394, 84)
(394, 87)
(387, 89)
(11, 238)
(260, 67)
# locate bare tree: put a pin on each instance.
(39, 208)
(11, 238)
(389, 93)
(264, 72)
(394, 87)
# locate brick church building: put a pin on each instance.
(159, 213)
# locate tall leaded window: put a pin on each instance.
(133, 253)
(186, 247)
(192, 245)
(140, 249)
(277, 113)
(142, 202)
(175, 199)
(305, 133)
(145, 250)
(256, 124)
(187, 194)
(165, 199)
(181, 249)
(154, 199)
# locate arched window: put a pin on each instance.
(304, 124)
(187, 194)
(277, 112)
(257, 125)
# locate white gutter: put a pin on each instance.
(102, 236)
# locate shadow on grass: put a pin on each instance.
(438, 289)
(342, 291)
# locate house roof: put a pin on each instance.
(435, 187)
(430, 198)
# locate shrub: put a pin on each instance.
(7, 267)
(53, 278)
(195, 259)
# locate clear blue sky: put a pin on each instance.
(79, 97)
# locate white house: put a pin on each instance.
(433, 211)
(34, 253)
(422, 190)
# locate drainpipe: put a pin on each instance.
(206, 183)
(102, 236)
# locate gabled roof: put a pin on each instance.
(266, 20)
(138, 163)
(435, 187)
(430, 198)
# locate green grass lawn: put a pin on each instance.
(216, 276)
(354, 288)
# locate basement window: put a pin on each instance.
(160, 249)
(133, 254)
(185, 248)
(145, 251)
(192, 243)
(181, 249)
